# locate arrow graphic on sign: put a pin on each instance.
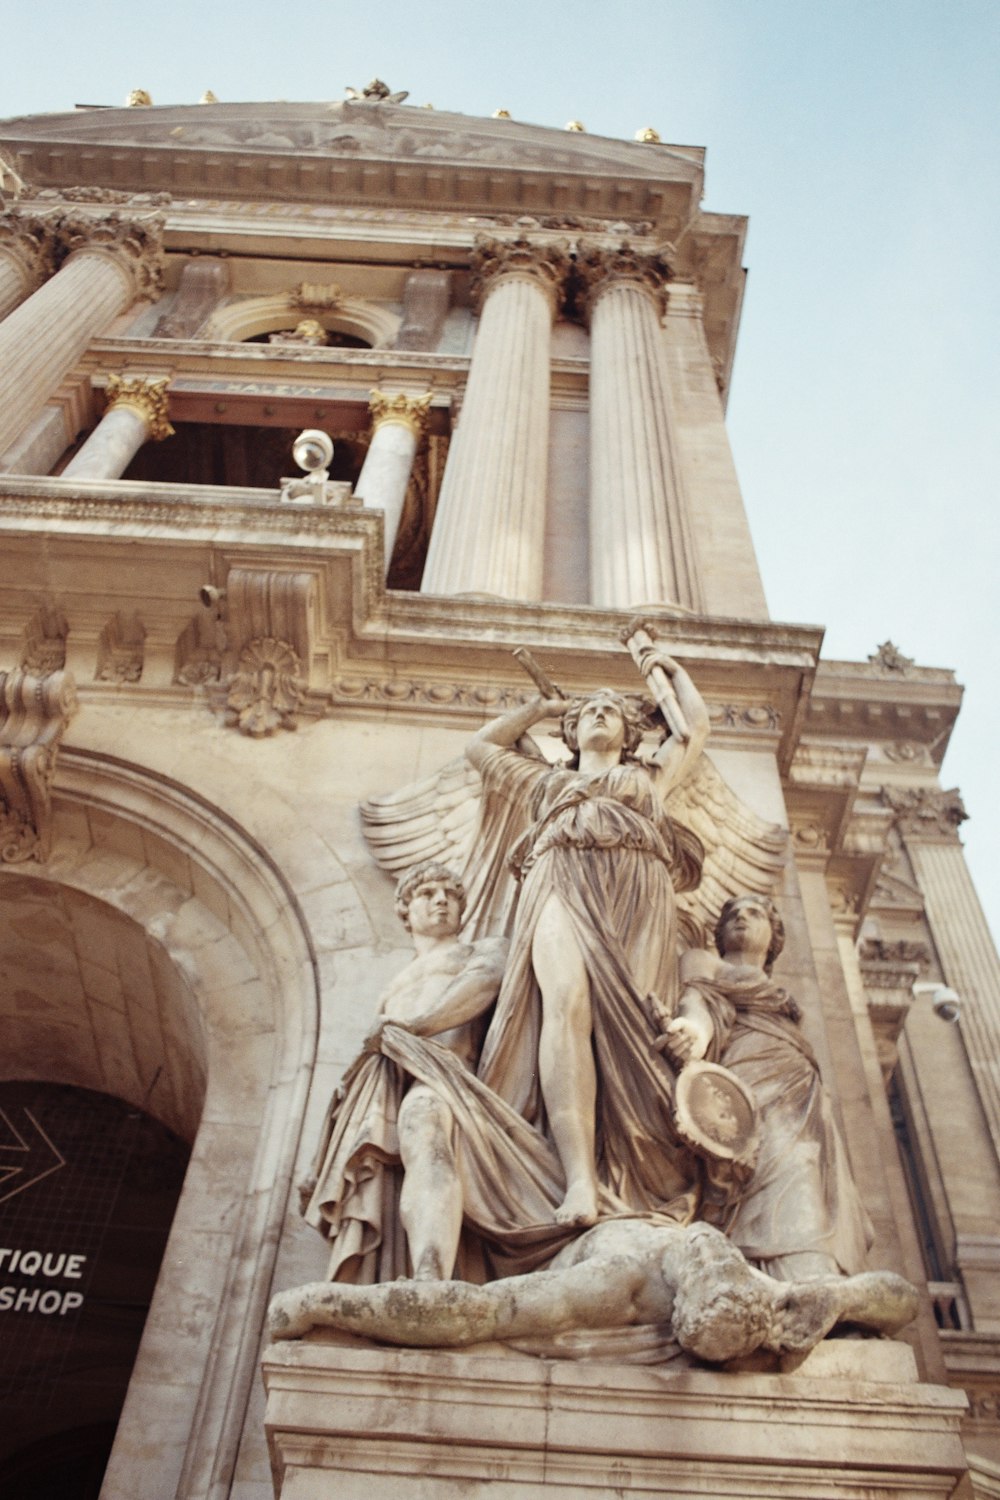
(26, 1157)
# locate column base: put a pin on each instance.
(350, 1420)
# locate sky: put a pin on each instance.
(862, 137)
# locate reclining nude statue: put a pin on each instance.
(514, 1120)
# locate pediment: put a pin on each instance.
(359, 129)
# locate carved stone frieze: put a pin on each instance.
(546, 265)
(135, 244)
(908, 753)
(597, 270)
(147, 397)
(266, 690)
(44, 648)
(121, 649)
(30, 240)
(104, 195)
(759, 716)
(34, 713)
(926, 812)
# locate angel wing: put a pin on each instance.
(430, 819)
(743, 853)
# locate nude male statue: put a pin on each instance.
(442, 994)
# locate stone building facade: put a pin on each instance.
(520, 343)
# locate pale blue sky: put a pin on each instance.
(862, 138)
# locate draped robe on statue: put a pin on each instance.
(606, 846)
(802, 1197)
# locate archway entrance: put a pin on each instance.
(88, 1188)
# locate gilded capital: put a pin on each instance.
(598, 270)
(135, 245)
(926, 811)
(147, 397)
(29, 240)
(407, 411)
(545, 264)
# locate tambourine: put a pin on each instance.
(716, 1114)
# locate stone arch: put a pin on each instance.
(244, 319)
(207, 919)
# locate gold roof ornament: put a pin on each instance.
(208, 97)
(501, 114)
(577, 125)
(138, 99)
(647, 133)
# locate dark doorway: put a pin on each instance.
(88, 1189)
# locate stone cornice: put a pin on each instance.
(754, 674)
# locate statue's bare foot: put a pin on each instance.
(579, 1205)
(287, 1316)
(806, 1311)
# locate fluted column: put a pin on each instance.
(489, 529)
(109, 263)
(136, 411)
(27, 251)
(640, 546)
(398, 423)
(928, 820)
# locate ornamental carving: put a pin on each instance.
(546, 265)
(30, 239)
(44, 649)
(121, 649)
(598, 270)
(311, 296)
(105, 195)
(408, 411)
(888, 970)
(984, 1404)
(34, 713)
(266, 689)
(135, 244)
(926, 811)
(147, 397)
(888, 659)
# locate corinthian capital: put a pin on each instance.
(598, 270)
(135, 245)
(926, 812)
(29, 240)
(407, 411)
(545, 265)
(147, 397)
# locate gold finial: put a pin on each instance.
(576, 125)
(426, 106)
(648, 134)
(408, 411)
(501, 114)
(148, 397)
(138, 99)
(208, 97)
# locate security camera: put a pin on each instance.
(210, 596)
(312, 450)
(945, 1002)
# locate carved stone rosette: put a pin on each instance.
(544, 265)
(134, 244)
(926, 812)
(406, 411)
(146, 397)
(266, 690)
(34, 713)
(597, 270)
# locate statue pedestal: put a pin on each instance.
(350, 1420)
